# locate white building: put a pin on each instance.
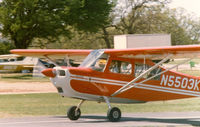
(141, 40)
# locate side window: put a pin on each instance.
(121, 67)
(61, 72)
(20, 58)
(154, 72)
(140, 68)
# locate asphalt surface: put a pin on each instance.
(133, 119)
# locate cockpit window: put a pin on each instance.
(100, 63)
(96, 60)
(91, 58)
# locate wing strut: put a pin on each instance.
(141, 75)
(67, 61)
(156, 75)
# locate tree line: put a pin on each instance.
(86, 24)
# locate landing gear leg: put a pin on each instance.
(74, 112)
(114, 113)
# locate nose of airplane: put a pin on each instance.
(49, 72)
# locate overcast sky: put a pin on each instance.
(192, 6)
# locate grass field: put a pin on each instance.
(52, 104)
(18, 77)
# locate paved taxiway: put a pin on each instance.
(135, 119)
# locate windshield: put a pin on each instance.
(96, 60)
(92, 57)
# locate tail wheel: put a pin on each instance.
(114, 114)
(73, 114)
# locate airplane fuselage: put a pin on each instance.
(91, 84)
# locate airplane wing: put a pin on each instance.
(50, 52)
(154, 53)
(150, 53)
(157, 53)
(8, 56)
(54, 55)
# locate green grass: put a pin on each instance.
(18, 77)
(52, 104)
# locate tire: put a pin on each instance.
(114, 114)
(71, 113)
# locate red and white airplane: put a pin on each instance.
(121, 76)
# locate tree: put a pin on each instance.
(158, 18)
(79, 40)
(190, 23)
(130, 12)
(123, 9)
(152, 18)
(25, 20)
(5, 47)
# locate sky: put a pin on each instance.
(192, 6)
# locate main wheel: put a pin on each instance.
(73, 114)
(114, 114)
